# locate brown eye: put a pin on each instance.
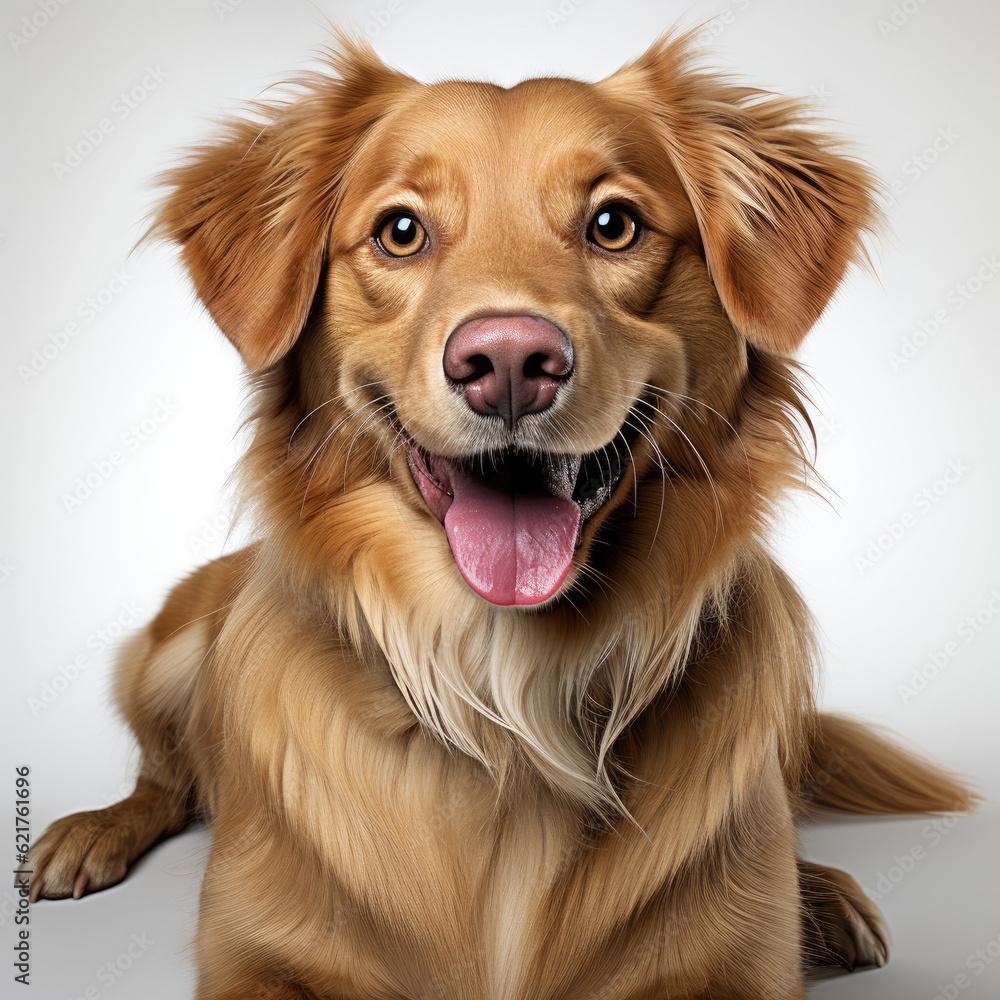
(614, 227)
(401, 235)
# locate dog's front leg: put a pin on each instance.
(92, 850)
(270, 925)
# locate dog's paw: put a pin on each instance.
(80, 853)
(843, 929)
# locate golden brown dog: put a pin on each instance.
(508, 700)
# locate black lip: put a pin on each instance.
(601, 471)
(598, 469)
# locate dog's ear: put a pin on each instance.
(252, 209)
(781, 212)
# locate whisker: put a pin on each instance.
(370, 416)
(315, 409)
(704, 466)
(661, 391)
(657, 412)
(329, 435)
(326, 440)
(663, 481)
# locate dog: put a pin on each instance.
(507, 699)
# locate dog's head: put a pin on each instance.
(494, 327)
(524, 294)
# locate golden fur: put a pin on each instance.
(416, 793)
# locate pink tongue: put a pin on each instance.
(511, 548)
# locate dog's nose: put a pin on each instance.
(508, 365)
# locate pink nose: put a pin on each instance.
(508, 365)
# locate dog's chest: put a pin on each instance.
(455, 897)
(429, 885)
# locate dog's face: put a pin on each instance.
(526, 304)
(496, 283)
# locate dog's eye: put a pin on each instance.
(401, 235)
(614, 227)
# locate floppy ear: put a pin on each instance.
(252, 209)
(781, 212)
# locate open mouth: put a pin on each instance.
(514, 521)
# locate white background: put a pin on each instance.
(70, 577)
